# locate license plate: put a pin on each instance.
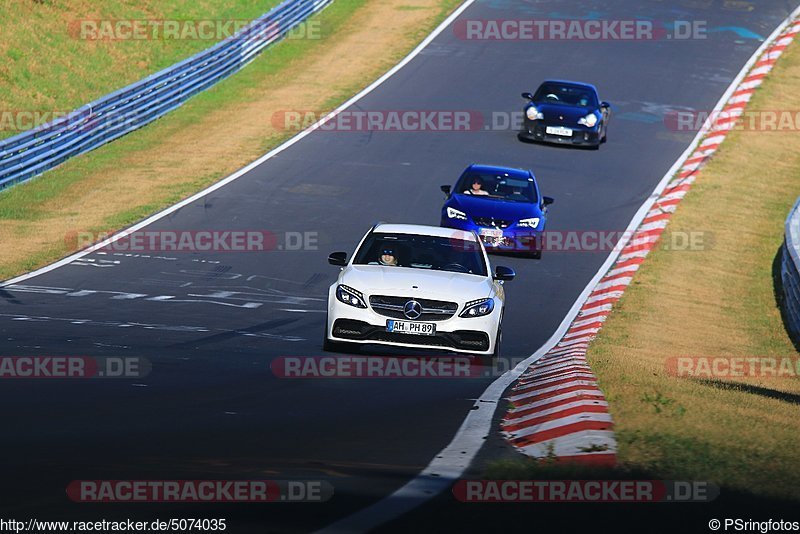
(491, 232)
(406, 327)
(559, 130)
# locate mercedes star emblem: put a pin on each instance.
(412, 310)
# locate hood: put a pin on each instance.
(571, 114)
(475, 206)
(400, 281)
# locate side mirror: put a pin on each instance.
(504, 274)
(529, 96)
(605, 105)
(446, 190)
(548, 200)
(338, 258)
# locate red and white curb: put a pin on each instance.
(558, 409)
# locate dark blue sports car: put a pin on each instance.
(502, 205)
(565, 113)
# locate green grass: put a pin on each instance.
(47, 67)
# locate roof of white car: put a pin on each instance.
(419, 229)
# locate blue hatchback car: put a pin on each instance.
(566, 113)
(502, 205)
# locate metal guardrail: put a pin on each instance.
(35, 151)
(790, 272)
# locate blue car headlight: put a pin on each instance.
(478, 308)
(589, 120)
(533, 222)
(453, 213)
(533, 114)
(350, 296)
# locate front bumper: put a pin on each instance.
(513, 240)
(581, 135)
(474, 335)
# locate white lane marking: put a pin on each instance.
(118, 295)
(147, 326)
(456, 457)
(142, 256)
(246, 305)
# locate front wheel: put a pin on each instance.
(497, 342)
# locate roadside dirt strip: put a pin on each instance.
(558, 408)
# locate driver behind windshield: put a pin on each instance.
(388, 258)
(476, 188)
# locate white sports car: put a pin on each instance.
(417, 286)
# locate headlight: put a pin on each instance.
(350, 296)
(455, 214)
(478, 308)
(589, 120)
(533, 222)
(533, 114)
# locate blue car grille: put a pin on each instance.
(490, 222)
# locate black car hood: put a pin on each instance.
(561, 114)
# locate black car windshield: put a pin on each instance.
(497, 187)
(570, 95)
(422, 252)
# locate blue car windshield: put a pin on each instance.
(497, 187)
(422, 252)
(570, 95)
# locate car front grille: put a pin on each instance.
(460, 339)
(432, 310)
(489, 222)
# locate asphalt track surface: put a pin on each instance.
(211, 408)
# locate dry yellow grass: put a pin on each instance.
(741, 433)
(152, 168)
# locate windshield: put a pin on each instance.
(422, 252)
(571, 95)
(497, 187)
